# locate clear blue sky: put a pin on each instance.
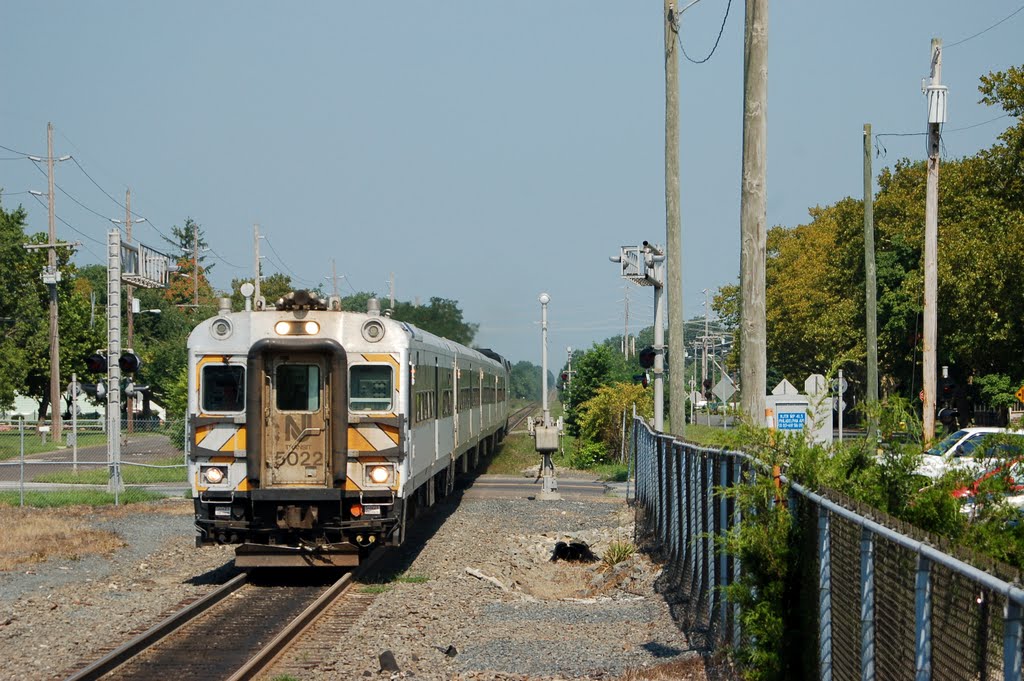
(480, 151)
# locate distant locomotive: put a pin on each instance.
(314, 433)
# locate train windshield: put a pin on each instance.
(298, 387)
(223, 387)
(370, 387)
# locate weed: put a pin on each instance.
(617, 552)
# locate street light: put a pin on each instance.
(544, 299)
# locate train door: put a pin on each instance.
(296, 436)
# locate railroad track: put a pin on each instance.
(518, 417)
(236, 632)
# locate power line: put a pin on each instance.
(69, 225)
(679, 37)
(65, 193)
(224, 260)
(15, 151)
(285, 269)
(972, 37)
(880, 149)
(142, 218)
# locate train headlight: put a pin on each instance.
(380, 474)
(213, 475)
(297, 328)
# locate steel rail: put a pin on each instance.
(261, 660)
(157, 632)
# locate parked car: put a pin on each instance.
(1006, 478)
(963, 450)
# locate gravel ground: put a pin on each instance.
(476, 580)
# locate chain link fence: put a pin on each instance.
(875, 598)
(78, 469)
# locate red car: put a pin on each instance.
(1007, 478)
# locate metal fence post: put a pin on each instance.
(867, 605)
(21, 477)
(723, 557)
(1012, 641)
(737, 517)
(923, 619)
(824, 593)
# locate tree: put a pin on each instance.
(18, 306)
(591, 370)
(272, 287)
(600, 417)
(441, 317)
(182, 289)
(524, 382)
(24, 316)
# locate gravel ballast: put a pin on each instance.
(473, 595)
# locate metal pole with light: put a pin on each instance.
(544, 299)
(645, 265)
(545, 434)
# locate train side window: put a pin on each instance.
(223, 387)
(370, 387)
(298, 387)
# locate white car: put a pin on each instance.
(959, 451)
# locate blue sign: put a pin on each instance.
(791, 420)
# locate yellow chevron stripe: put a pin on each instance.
(236, 442)
(390, 431)
(358, 442)
(383, 357)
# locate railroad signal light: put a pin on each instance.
(646, 357)
(129, 362)
(95, 390)
(565, 377)
(96, 363)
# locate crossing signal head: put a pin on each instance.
(565, 377)
(129, 362)
(96, 363)
(646, 357)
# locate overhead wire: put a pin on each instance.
(982, 32)
(679, 37)
(881, 150)
(284, 269)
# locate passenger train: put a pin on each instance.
(314, 433)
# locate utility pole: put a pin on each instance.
(704, 342)
(255, 260)
(753, 212)
(625, 329)
(334, 278)
(391, 288)
(195, 267)
(56, 425)
(129, 292)
(936, 94)
(870, 287)
(673, 225)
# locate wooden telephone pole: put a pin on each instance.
(870, 285)
(753, 212)
(673, 229)
(936, 94)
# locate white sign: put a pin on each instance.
(815, 384)
(724, 389)
(785, 388)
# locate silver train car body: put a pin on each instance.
(314, 433)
